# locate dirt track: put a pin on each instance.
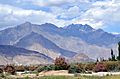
(60, 72)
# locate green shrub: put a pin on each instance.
(46, 68)
(112, 65)
(26, 77)
(89, 66)
(2, 76)
(75, 69)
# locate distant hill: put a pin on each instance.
(14, 55)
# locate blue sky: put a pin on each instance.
(103, 14)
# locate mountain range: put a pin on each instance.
(45, 42)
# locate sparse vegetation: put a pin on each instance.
(80, 77)
(89, 66)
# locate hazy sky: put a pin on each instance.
(103, 14)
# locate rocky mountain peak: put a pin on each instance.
(49, 25)
(27, 23)
(80, 27)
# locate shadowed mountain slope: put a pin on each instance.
(32, 41)
(11, 54)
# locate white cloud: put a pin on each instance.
(116, 1)
(55, 2)
(51, 2)
(101, 14)
(72, 12)
(115, 33)
(10, 15)
(97, 13)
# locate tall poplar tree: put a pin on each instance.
(118, 51)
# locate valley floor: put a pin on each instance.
(63, 74)
(81, 77)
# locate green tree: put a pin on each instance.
(112, 56)
(97, 60)
(61, 64)
(118, 51)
